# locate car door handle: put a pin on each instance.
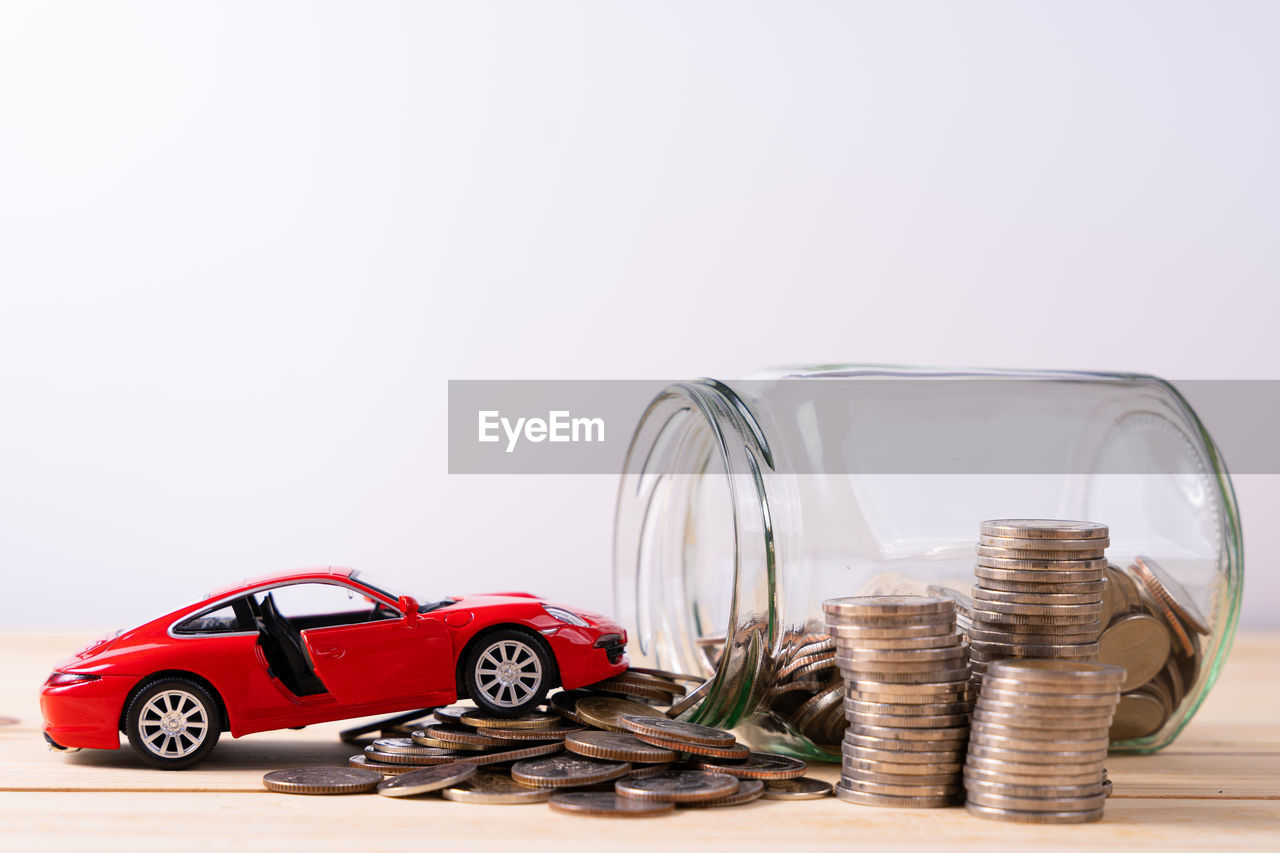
(334, 652)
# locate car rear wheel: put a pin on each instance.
(508, 673)
(173, 723)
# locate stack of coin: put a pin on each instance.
(1039, 591)
(1153, 629)
(907, 699)
(1038, 741)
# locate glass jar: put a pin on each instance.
(743, 506)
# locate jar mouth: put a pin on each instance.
(693, 521)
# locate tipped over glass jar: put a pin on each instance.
(744, 505)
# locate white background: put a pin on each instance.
(244, 245)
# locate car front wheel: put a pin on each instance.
(173, 723)
(508, 673)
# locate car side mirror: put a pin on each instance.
(408, 606)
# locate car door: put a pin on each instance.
(374, 653)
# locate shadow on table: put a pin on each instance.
(248, 753)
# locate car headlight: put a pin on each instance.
(565, 616)
(62, 679)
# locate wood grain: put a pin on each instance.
(1217, 788)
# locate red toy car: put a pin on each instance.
(313, 646)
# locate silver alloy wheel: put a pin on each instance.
(173, 724)
(508, 673)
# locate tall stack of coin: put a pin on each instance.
(907, 699)
(1039, 591)
(1038, 741)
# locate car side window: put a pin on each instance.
(223, 620)
(322, 605)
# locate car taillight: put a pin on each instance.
(62, 679)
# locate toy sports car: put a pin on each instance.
(312, 646)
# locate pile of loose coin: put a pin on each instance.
(605, 752)
(1038, 741)
(907, 699)
(1153, 630)
(1039, 591)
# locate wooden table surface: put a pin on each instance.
(1216, 788)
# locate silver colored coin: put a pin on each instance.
(1138, 714)
(1037, 555)
(678, 786)
(1059, 672)
(403, 746)
(566, 771)
(1038, 701)
(1044, 528)
(939, 721)
(1041, 598)
(941, 757)
(1044, 774)
(515, 754)
(854, 739)
(1081, 615)
(321, 780)
(892, 733)
(421, 759)
(1095, 587)
(803, 788)
(889, 658)
(852, 795)
(863, 606)
(606, 804)
(896, 644)
(1034, 756)
(937, 629)
(1017, 723)
(455, 736)
(1003, 568)
(872, 777)
(362, 762)
(452, 715)
(896, 770)
(981, 797)
(749, 790)
(984, 737)
(426, 779)
(921, 676)
(1045, 791)
(898, 709)
(883, 790)
(494, 788)
(1014, 816)
(981, 773)
(757, 765)
(690, 700)
(1056, 546)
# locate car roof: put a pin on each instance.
(314, 573)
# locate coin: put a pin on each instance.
(321, 780)
(617, 746)
(887, 790)
(565, 701)
(802, 788)
(1036, 756)
(1092, 789)
(897, 709)
(607, 804)
(603, 712)
(1039, 675)
(860, 607)
(421, 738)
(1040, 568)
(1015, 816)
(677, 730)
(1137, 642)
(1019, 615)
(1163, 587)
(1041, 555)
(1092, 546)
(990, 736)
(427, 779)
(932, 641)
(884, 755)
(1044, 528)
(758, 765)
(514, 754)
(1093, 587)
(362, 762)
(532, 720)
(891, 733)
(886, 658)
(403, 746)
(495, 788)
(935, 629)
(737, 752)
(429, 755)
(857, 719)
(451, 715)
(1012, 718)
(691, 699)
(557, 733)
(852, 795)
(984, 650)
(1044, 598)
(996, 772)
(981, 797)
(918, 780)
(1138, 714)
(748, 791)
(566, 771)
(679, 786)
(638, 690)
